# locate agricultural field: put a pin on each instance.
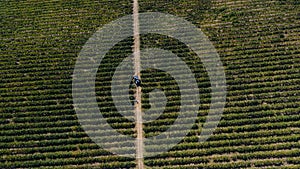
(258, 42)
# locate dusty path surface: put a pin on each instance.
(138, 104)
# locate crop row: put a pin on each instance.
(266, 114)
(288, 74)
(229, 120)
(281, 142)
(259, 130)
(260, 152)
(31, 139)
(288, 163)
(111, 162)
(236, 154)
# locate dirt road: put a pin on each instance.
(138, 104)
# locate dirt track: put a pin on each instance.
(138, 104)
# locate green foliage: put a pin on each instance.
(257, 42)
